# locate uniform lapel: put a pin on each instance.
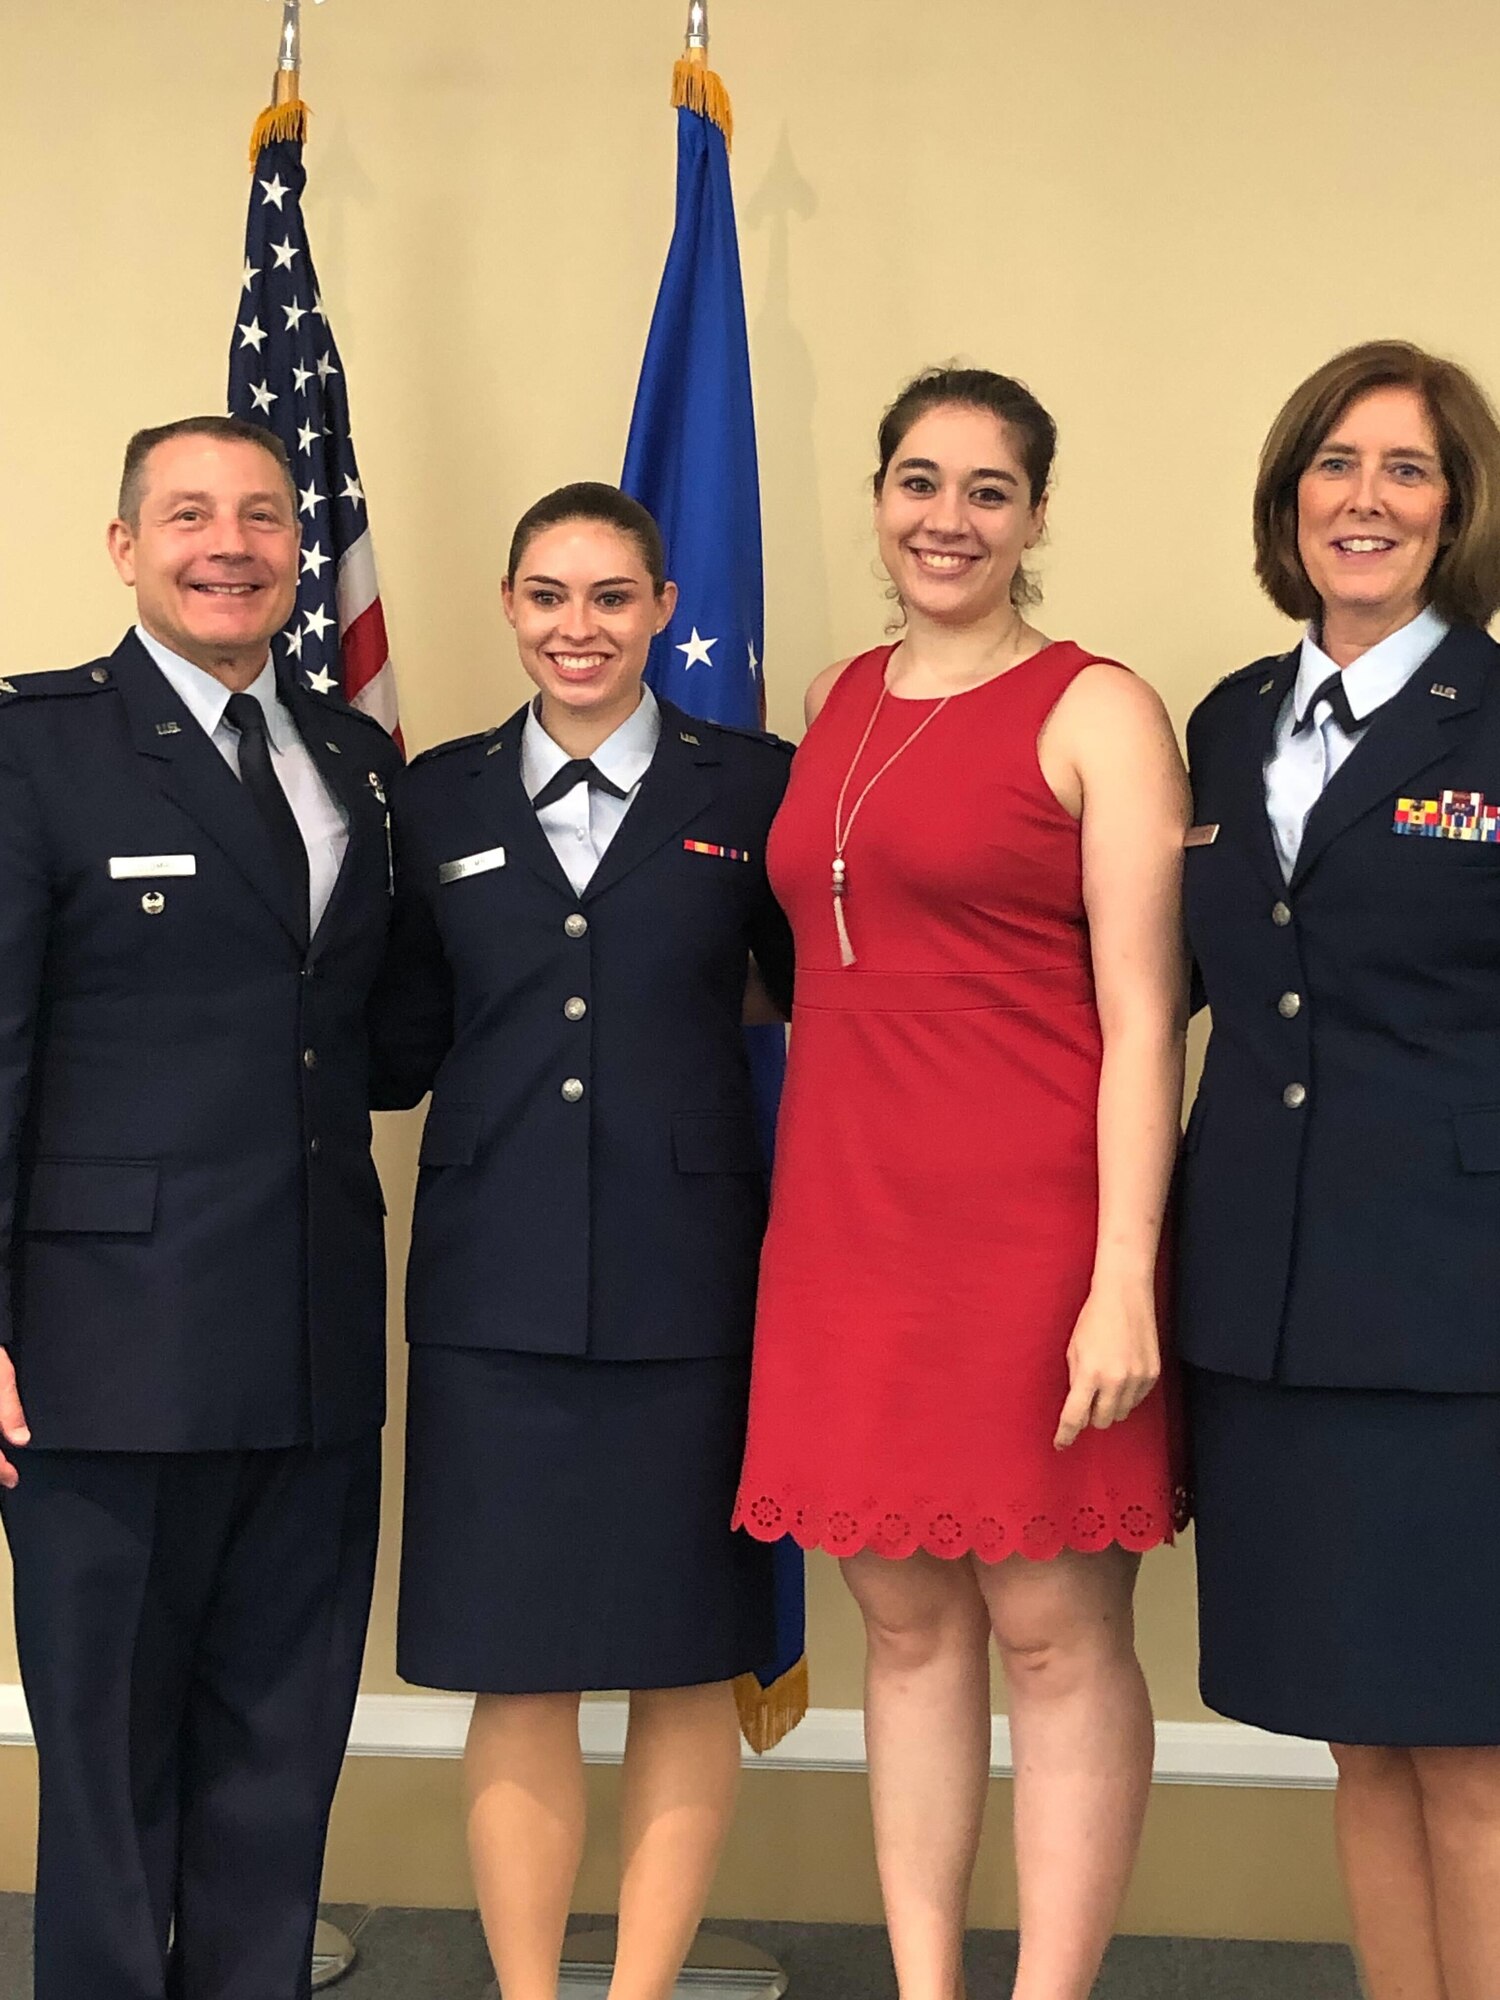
(357, 788)
(501, 803)
(678, 785)
(187, 768)
(1265, 692)
(1415, 730)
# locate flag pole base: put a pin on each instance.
(717, 1968)
(332, 1955)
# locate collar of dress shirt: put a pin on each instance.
(206, 698)
(1375, 676)
(623, 757)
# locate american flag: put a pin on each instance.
(285, 374)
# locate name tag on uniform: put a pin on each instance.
(150, 867)
(471, 864)
(1201, 836)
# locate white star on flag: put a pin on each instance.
(325, 367)
(301, 377)
(311, 499)
(293, 642)
(697, 650)
(313, 560)
(318, 307)
(754, 663)
(295, 315)
(251, 274)
(321, 682)
(263, 396)
(353, 491)
(252, 335)
(284, 253)
(276, 193)
(305, 436)
(318, 622)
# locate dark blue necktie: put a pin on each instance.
(258, 775)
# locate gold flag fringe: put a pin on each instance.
(768, 1714)
(697, 88)
(279, 121)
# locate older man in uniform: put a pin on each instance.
(193, 904)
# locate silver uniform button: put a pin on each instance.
(309, 1058)
(572, 1090)
(576, 925)
(153, 902)
(99, 676)
(1289, 1006)
(575, 1009)
(1294, 1096)
(1281, 913)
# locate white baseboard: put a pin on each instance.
(829, 1739)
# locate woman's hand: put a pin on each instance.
(1114, 1359)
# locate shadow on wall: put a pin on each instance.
(786, 397)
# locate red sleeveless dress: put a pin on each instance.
(935, 1199)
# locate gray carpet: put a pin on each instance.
(440, 1955)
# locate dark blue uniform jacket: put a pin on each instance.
(191, 1252)
(1340, 1194)
(591, 1181)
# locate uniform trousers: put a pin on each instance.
(190, 1628)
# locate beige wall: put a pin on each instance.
(1160, 213)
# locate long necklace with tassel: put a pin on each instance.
(842, 828)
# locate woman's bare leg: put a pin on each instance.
(1082, 1741)
(927, 1733)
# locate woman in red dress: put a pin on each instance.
(957, 1349)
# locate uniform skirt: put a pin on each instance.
(567, 1525)
(1349, 1560)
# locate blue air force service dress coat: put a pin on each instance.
(192, 1292)
(1339, 1277)
(590, 1204)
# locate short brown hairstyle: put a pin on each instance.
(141, 446)
(1464, 581)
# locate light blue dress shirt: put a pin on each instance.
(580, 825)
(1299, 767)
(320, 817)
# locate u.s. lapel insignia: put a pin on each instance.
(1455, 816)
(495, 747)
(169, 728)
(334, 748)
(1442, 688)
(688, 737)
(1266, 686)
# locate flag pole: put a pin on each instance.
(285, 117)
(694, 84)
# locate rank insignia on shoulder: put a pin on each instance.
(1266, 686)
(1455, 816)
(688, 737)
(7, 687)
(712, 847)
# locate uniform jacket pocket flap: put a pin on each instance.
(450, 1137)
(109, 1197)
(1478, 1136)
(715, 1142)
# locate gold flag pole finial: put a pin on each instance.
(286, 115)
(694, 85)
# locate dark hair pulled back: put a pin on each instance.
(592, 500)
(1030, 428)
